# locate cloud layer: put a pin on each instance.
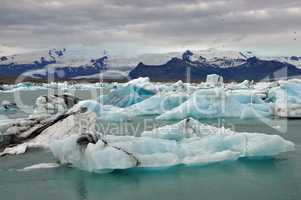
(267, 26)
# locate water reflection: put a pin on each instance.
(260, 179)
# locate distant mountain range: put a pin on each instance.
(63, 64)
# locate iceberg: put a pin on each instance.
(154, 105)
(138, 90)
(37, 133)
(125, 96)
(53, 104)
(214, 80)
(37, 130)
(25, 86)
(145, 83)
(287, 99)
(188, 142)
(179, 86)
(218, 102)
(8, 106)
(104, 112)
(158, 103)
(39, 166)
(243, 85)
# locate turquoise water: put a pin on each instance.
(275, 179)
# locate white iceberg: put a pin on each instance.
(27, 133)
(158, 104)
(187, 142)
(214, 80)
(243, 85)
(154, 105)
(8, 106)
(40, 166)
(287, 99)
(218, 102)
(53, 104)
(146, 84)
(125, 96)
(104, 112)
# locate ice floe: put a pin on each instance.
(40, 166)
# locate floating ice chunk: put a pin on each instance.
(74, 124)
(125, 96)
(143, 82)
(104, 112)
(243, 85)
(14, 150)
(214, 80)
(154, 105)
(53, 104)
(212, 103)
(287, 99)
(90, 105)
(25, 86)
(40, 166)
(158, 103)
(8, 106)
(187, 142)
(185, 128)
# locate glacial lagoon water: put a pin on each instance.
(277, 178)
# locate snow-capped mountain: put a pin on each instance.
(233, 66)
(60, 62)
(294, 60)
(57, 58)
(220, 58)
(78, 64)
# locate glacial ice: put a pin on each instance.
(287, 99)
(218, 102)
(40, 166)
(75, 124)
(214, 80)
(125, 96)
(53, 104)
(188, 142)
(158, 103)
(171, 101)
(104, 112)
(146, 84)
(19, 149)
(243, 85)
(8, 106)
(154, 105)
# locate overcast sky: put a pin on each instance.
(137, 26)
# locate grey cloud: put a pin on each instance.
(156, 23)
